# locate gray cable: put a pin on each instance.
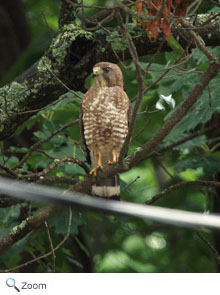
(44, 194)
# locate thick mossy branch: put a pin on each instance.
(27, 225)
(37, 87)
(71, 57)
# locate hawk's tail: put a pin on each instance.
(107, 188)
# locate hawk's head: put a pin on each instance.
(108, 74)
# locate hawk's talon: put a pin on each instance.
(95, 170)
(110, 162)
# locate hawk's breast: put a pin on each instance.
(104, 118)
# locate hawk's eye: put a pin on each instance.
(106, 70)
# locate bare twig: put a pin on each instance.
(198, 41)
(155, 55)
(207, 22)
(140, 80)
(61, 82)
(211, 247)
(38, 110)
(192, 9)
(48, 27)
(8, 170)
(181, 185)
(53, 165)
(140, 16)
(57, 180)
(99, 17)
(99, 24)
(37, 144)
(107, 12)
(153, 83)
(165, 169)
(131, 183)
(52, 248)
(215, 2)
(141, 130)
(45, 154)
(77, 5)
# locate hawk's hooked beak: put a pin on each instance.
(96, 71)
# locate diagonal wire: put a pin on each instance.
(43, 194)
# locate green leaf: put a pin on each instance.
(209, 165)
(60, 222)
(201, 112)
(192, 144)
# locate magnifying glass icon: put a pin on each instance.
(11, 283)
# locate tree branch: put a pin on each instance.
(198, 41)
(140, 82)
(51, 246)
(37, 144)
(67, 12)
(181, 185)
(26, 226)
(33, 176)
(6, 202)
(210, 246)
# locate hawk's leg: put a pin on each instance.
(114, 157)
(99, 166)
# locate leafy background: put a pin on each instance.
(102, 243)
